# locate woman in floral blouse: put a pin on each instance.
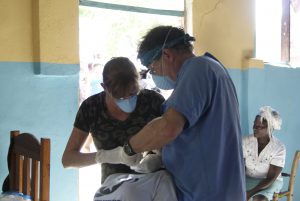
(264, 156)
(111, 117)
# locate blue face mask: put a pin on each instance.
(127, 105)
(163, 82)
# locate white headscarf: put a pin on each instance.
(272, 116)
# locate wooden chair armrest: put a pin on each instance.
(282, 194)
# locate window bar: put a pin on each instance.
(128, 8)
(285, 31)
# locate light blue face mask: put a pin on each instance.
(163, 82)
(127, 105)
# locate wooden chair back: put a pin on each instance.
(289, 193)
(29, 165)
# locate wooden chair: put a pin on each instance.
(290, 191)
(29, 165)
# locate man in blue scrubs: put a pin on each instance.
(199, 132)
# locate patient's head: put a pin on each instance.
(267, 120)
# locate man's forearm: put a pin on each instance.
(153, 136)
(159, 132)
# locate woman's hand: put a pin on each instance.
(117, 156)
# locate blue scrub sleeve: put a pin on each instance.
(193, 91)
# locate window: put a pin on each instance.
(277, 31)
(108, 30)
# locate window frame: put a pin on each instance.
(129, 8)
(285, 32)
(287, 48)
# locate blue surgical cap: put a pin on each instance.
(148, 57)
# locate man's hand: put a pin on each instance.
(130, 160)
(150, 163)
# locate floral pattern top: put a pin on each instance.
(109, 133)
(257, 166)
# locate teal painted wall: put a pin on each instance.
(279, 88)
(44, 105)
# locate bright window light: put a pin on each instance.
(268, 30)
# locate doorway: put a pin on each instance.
(109, 30)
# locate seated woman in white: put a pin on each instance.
(264, 156)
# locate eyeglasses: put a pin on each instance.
(154, 65)
(259, 127)
(125, 98)
(152, 71)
